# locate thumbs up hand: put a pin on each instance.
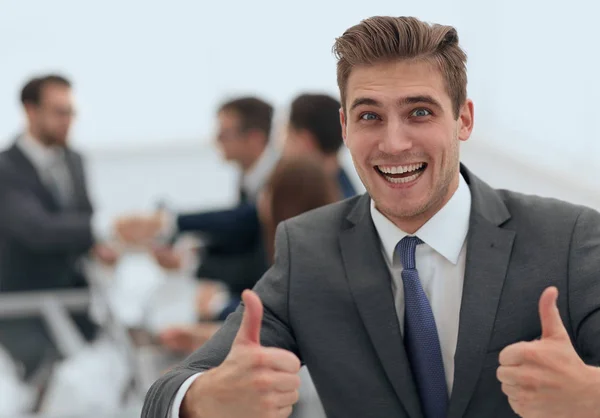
(253, 381)
(546, 377)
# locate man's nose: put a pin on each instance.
(396, 138)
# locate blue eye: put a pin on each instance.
(421, 113)
(368, 116)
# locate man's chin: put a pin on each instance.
(406, 210)
(56, 141)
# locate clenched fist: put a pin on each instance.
(253, 381)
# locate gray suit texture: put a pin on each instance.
(40, 242)
(328, 299)
(40, 245)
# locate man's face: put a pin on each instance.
(230, 137)
(51, 120)
(403, 137)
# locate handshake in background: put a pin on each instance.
(144, 230)
(148, 232)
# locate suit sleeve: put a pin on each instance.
(273, 291)
(233, 231)
(24, 218)
(584, 285)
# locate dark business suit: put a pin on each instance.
(328, 299)
(234, 253)
(40, 245)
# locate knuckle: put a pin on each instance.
(295, 396)
(295, 363)
(267, 403)
(530, 353)
(286, 412)
(525, 397)
(500, 373)
(262, 382)
(528, 381)
(297, 382)
(257, 358)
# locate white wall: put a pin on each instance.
(150, 72)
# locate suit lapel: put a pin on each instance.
(370, 284)
(488, 255)
(80, 200)
(27, 171)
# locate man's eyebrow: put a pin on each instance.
(424, 98)
(360, 101)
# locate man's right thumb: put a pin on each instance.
(249, 332)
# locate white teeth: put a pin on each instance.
(402, 179)
(401, 168)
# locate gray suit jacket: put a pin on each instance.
(40, 242)
(328, 299)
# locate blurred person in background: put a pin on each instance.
(298, 184)
(314, 129)
(46, 217)
(233, 252)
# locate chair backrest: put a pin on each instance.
(98, 277)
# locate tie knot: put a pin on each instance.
(406, 251)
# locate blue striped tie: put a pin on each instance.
(421, 336)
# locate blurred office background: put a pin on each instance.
(149, 75)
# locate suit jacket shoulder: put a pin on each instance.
(329, 218)
(542, 216)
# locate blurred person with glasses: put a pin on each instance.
(47, 221)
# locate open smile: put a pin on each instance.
(401, 174)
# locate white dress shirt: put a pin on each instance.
(50, 164)
(256, 177)
(440, 261)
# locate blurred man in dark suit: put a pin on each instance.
(234, 253)
(46, 214)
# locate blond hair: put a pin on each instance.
(384, 39)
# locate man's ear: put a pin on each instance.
(466, 120)
(343, 123)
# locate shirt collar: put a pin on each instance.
(255, 178)
(41, 156)
(445, 232)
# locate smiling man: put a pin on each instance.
(433, 295)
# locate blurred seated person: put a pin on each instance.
(233, 252)
(297, 185)
(46, 218)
